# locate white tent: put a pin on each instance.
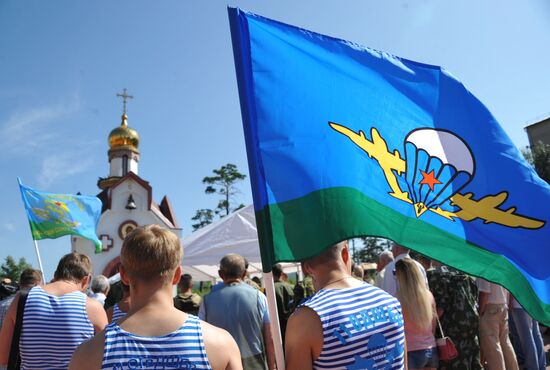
(235, 233)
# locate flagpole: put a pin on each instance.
(39, 260)
(274, 320)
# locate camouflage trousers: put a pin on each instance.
(467, 345)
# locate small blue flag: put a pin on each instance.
(54, 215)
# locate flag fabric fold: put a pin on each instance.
(54, 215)
(345, 141)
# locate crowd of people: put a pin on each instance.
(337, 318)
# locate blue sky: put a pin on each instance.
(61, 64)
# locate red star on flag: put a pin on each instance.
(429, 179)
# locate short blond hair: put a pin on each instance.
(73, 267)
(331, 254)
(150, 252)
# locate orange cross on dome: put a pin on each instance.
(429, 179)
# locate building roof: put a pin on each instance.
(164, 210)
(538, 120)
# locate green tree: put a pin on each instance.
(12, 270)
(539, 157)
(372, 247)
(203, 218)
(223, 183)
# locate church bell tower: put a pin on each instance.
(127, 200)
(123, 149)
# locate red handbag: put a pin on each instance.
(445, 347)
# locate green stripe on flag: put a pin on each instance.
(49, 230)
(303, 227)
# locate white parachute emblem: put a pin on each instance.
(438, 165)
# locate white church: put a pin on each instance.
(127, 201)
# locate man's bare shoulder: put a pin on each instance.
(216, 337)
(305, 322)
(221, 349)
(89, 355)
(96, 314)
(303, 339)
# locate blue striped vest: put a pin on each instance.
(182, 349)
(117, 313)
(362, 329)
(52, 329)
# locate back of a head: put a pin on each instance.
(398, 250)
(277, 270)
(424, 261)
(413, 293)
(29, 278)
(186, 282)
(329, 256)
(385, 257)
(100, 284)
(358, 271)
(151, 252)
(233, 266)
(73, 267)
(257, 280)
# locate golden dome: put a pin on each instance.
(124, 137)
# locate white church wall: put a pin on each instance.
(111, 221)
(116, 167)
(133, 166)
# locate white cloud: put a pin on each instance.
(37, 133)
(29, 130)
(62, 165)
(10, 226)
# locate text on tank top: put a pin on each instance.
(53, 327)
(362, 329)
(181, 349)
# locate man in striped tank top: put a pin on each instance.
(119, 310)
(154, 334)
(57, 317)
(347, 324)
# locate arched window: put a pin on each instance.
(124, 165)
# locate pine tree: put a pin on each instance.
(12, 270)
(223, 183)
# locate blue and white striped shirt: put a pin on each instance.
(53, 326)
(117, 313)
(362, 329)
(182, 349)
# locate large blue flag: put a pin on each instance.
(54, 215)
(346, 141)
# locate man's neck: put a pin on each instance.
(334, 279)
(150, 295)
(232, 281)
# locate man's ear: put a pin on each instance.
(346, 258)
(85, 282)
(306, 268)
(345, 254)
(124, 276)
(177, 275)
